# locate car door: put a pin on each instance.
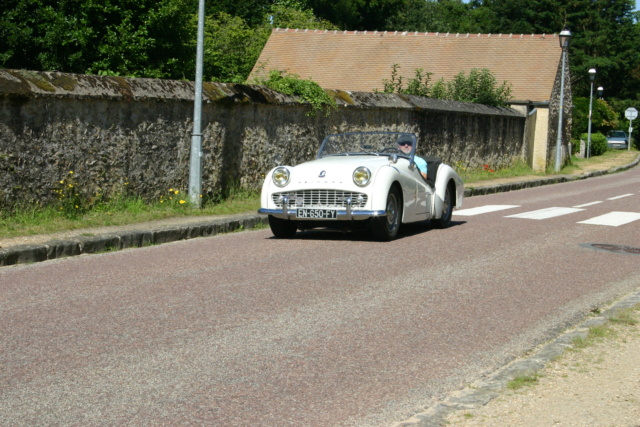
(415, 192)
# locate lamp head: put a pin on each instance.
(565, 38)
(592, 74)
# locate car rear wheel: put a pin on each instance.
(447, 210)
(282, 228)
(386, 228)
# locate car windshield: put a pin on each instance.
(368, 143)
(617, 134)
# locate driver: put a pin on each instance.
(405, 144)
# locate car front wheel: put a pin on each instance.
(386, 228)
(282, 228)
(447, 210)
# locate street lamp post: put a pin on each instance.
(195, 162)
(565, 39)
(600, 91)
(592, 77)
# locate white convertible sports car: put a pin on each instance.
(361, 179)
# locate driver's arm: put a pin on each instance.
(422, 166)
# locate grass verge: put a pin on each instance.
(122, 211)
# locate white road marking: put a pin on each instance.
(620, 197)
(613, 219)
(588, 204)
(484, 209)
(545, 213)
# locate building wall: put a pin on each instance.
(133, 136)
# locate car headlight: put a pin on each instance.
(280, 176)
(361, 176)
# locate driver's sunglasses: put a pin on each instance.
(405, 143)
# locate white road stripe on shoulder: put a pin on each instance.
(545, 213)
(483, 209)
(613, 219)
(588, 204)
(620, 197)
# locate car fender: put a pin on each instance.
(382, 182)
(445, 175)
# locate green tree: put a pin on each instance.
(250, 12)
(444, 16)
(135, 37)
(356, 14)
(603, 116)
(231, 47)
(283, 16)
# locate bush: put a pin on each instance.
(598, 143)
(479, 87)
(307, 90)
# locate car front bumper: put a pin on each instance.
(341, 214)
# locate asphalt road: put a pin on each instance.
(325, 329)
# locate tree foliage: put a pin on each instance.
(603, 116)
(231, 47)
(138, 38)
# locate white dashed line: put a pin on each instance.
(620, 197)
(545, 213)
(588, 204)
(484, 209)
(613, 219)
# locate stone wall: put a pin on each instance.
(133, 136)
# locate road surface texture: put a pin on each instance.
(324, 329)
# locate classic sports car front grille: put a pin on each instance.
(321, 198)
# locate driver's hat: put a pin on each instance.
(405, 139)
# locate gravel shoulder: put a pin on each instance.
(598, 385)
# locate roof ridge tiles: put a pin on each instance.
(413, 33)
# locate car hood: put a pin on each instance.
(336, 169)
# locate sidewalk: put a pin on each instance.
(30, 249)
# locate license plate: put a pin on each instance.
(317, 213)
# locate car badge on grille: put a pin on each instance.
(322, 174)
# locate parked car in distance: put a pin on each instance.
(617, 139)
(361, 180)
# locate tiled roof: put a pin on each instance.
(359, 61)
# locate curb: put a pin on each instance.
(54, 249)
